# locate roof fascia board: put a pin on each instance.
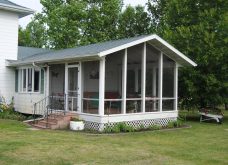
(154, 36)
(175, 51)
(16, 9)
(139, 41)
(56, 61)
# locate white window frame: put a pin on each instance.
(21, 80)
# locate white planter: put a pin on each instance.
(76, 125)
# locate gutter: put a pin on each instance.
(16, 8)
(22, 12)
(85, 58)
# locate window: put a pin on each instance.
(36, 80)
(29, 80)
(24, 73)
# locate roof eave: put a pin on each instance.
(81, 58)
(22, 12)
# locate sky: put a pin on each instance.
(35, 5)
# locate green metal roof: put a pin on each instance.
(96, 51)
(21, 10)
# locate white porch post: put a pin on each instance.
(160, 80)
(101, 86)
(48, 80)
(124, 82)
(154, 85)
(82, 85)
(143, 78)
(66, 87)
(176, 87)
(79, 87)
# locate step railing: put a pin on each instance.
(49, 106)
(52, 107)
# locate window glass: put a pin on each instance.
(30, 79)
(36, 80)
(24, 80)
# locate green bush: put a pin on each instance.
(175, 124)
(155, 127)
(7, 111)
(12, 116)
(119, 127)
(75, 119)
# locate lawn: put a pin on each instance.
(205, 143)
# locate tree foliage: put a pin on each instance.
(134, 21)
(34, 35)
(198, 29)
(74, 22)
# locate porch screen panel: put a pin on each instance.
(168, 84)
(152, 58)
(113, 83)
(90, 87)
(134, 69)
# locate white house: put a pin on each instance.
(9, 15)
(132, 80)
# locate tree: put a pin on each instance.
(199, 29)
(34, 35)
(101, 21)
(134, 21)
(73, 22)
(64, 21)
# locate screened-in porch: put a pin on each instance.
(140, 79)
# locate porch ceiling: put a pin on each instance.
(95, 51)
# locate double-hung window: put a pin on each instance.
(29, 80)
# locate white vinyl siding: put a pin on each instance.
(8, 50)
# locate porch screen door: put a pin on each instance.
(72, 89)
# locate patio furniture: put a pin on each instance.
(211, 114)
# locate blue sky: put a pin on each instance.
(35, 5)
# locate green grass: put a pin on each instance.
(205, 143)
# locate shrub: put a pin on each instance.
(175, 124)
(119, 127)
(7, 111)
(75, 119)
(155, 127)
